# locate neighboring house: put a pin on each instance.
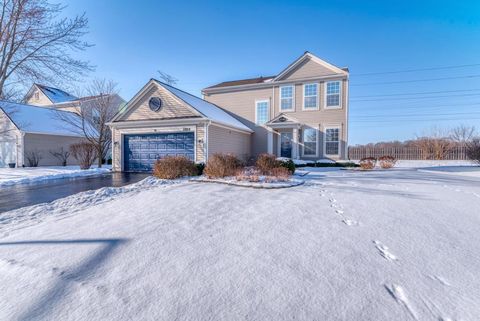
(300, 113)
(161, 120)
(41, 95)
(27, 129)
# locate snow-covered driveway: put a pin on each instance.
(391, 245)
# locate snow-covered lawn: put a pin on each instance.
(11, 176)
(346, 245)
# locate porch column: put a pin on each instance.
(295, 153)
(270, 142)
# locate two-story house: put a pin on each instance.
(301, 113)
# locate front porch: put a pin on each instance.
(284, 137)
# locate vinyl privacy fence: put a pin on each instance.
(405, 153)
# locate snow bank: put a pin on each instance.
(260, 184)
(302, 162)
(11, 176)
(77, 202)
(470, 171)
(432, 163)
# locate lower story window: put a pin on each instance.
(309, 142)
(262, 110)
(332, 141)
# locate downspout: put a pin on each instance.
(21, 155)
(346, 119)
(205, 143)
(272, 110)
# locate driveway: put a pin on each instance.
(21, 195)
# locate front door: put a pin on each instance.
(286, 145)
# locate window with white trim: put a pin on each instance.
(310, 96)
(332, 141)
(286, 98)
(332, 96)
(261, 112)
(309, 142)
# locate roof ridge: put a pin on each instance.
(35, 106)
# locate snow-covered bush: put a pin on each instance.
(222, 165)
(172, 167)
(266, 162)
(288, 164)
(85, 153)
(368, 163)
(248, 174)
(387, 161)
(278, 174)
(33, 158)
(473, 150)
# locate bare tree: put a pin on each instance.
(85, 153)
(33, 157)
(36, 44)
(435, 144)
(473, 149)
(167, 78)
(462, 134)
(94, 112)
(61, 154)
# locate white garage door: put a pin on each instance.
(7, 153)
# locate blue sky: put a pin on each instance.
(205, 42)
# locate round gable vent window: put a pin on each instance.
(155, 103)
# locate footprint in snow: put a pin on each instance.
(398, 293)
(350, 222)
(435, 310)
(439, 279)
(384, 251)
(338, 211)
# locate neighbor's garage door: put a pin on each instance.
(141, 151)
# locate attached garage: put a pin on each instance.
(142, 150)
(28, 130)
(162, 120)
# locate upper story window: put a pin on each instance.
(286, 98)
(262, 109)
(37, 95)
(310, 96)
(332, 97)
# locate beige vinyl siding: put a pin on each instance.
(223, 140)
(116, 149)
(46, 143)
(241, 105)
(41, 101)
(171, 108)
(200, 144)
(308, 69)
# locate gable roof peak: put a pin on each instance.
(309, 55)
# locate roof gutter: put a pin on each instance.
(269, 84)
